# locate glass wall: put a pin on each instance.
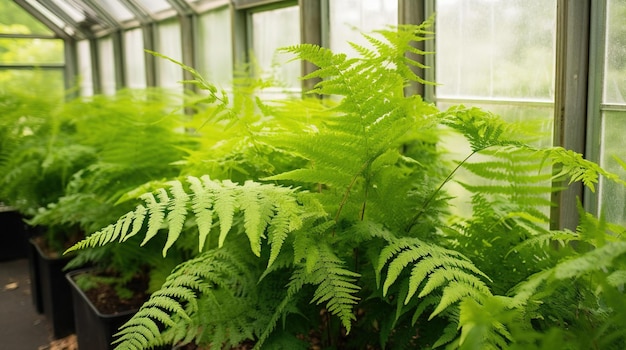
(273, 29)
(106, 56)
(169, 75)
(135, 69)
(215, 50)
(85, 73)
(613, 111)
(349, 18)
(31, 58)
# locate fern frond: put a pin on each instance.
(336, 286)
(441, 268)
(206, 197)
(214, 271)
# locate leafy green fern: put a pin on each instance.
(264, 208)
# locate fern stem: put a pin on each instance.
(432, 196)
(346, 194)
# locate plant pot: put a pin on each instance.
(54, 292)
(13, 233)
(94, 330)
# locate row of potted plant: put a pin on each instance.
(64, 167)
(327, 221)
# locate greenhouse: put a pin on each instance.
(312, 174)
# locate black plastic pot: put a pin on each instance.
(13, 233)
(53, 291)
(94, 330)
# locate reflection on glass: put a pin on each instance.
(85, 75)
(496, 48)
(612, 195)
(134, 59)
(31, 51)
(272, 30)
(615, 68)
(215, 47)
(350, 18)
(169, 44)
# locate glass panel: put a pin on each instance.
(612, 195)
(85, 74)
(215, 47)
(14, 20)
(48, 82)
(615, 68)
(134, 59)
(350, 18)
(496, 48)
(107, 66)
(31, 51)
(155, 5)
(274, 29)
(67, 7)
(169, 44)
(116, 9)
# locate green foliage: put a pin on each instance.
(328, 219)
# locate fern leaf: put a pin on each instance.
(225, 206)
(439, 267)
(177, 213)
(336, 287)
(202, 207)
(597, 259)
(156, 212)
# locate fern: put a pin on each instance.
(432, 268)
(177, 300)
(257, 202)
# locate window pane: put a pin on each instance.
(350, 18)
(48, 82)
(155, 5)
(107, 66)
(272, 30)
(613, 196)
(615, 68)
(84, 68)
(134, 59)
(31, 51)
(116, 9)
(215, 47)
(75, 14)
(496, 48)
(169, 44)
(14, 20)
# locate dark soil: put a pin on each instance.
(106, 300)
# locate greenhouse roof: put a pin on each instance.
(88, 18)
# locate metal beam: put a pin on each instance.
(570, 107)
(310, 33)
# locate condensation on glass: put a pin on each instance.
(496, 49)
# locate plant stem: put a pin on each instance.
(432, 196)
